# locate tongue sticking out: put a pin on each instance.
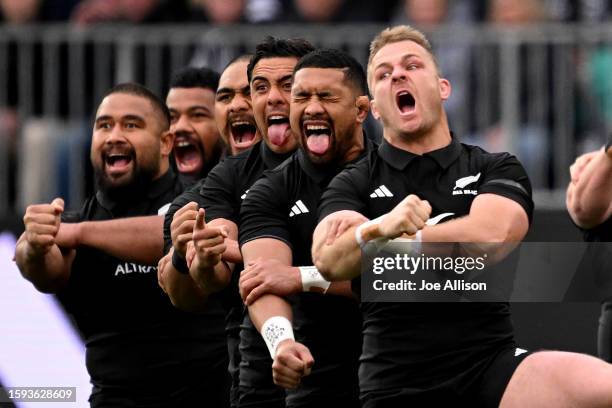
(278, 134)
(318, 144)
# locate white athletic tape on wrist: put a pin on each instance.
(416, 245)
(359, 230)
(274, 330)
(311, 278)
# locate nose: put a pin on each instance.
(116, 136)
(314, 108)
(398, 74)
(182, 125)
(276, 96)
(240, 103)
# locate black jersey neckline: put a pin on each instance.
(400, 158)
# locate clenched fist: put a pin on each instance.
(292, 362)
(409, 216)
(42, 223)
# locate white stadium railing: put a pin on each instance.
(541, 91)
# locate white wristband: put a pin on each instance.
(359, 229)
(416, 246)
(274, 330)
(311, 278)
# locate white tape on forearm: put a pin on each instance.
(274, 330)
(311, 278)
(360, 228)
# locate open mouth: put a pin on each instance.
(318, 136)
(405, 102)
(278, 126)
(187, 154)
(243, 132)
(117, 163)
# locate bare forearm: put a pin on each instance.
(232, 252)
(268, 306)
(48, 272)
(183, 290)
(136, 239)
(589, 199)
(339, 261)
(211, 279)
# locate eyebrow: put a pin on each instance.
(103, 118)
(126, 117)
(259, 78)
(403, 59)
(225, 90)
(132, 117)
(281, 79)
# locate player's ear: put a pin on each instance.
(374, 110)
(445, 88)
(167, 141)
(363, 106)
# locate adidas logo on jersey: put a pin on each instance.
(519, 351)
(381, 192)
(298, 208)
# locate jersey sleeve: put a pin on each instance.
(192, 194)
(505, 176)
(218, 189)
(344, 192)
(264, 212)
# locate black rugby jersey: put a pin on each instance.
(135, 338)
(221, 194)
(226, 185)
(424, 345)
(600, 233)
(283, 205)
(592, 281)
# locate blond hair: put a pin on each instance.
(397, 34)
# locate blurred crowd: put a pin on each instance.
(475, 73)
(425, 12)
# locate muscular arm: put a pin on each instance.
(182, 290)
(341, 260)
(135, 239)
(39, 258)
(268, 305)
(190, 292)
(509, 225)
(208, 269)
(589, 194)
(337, 254)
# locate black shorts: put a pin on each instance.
(208, 391)
(482, 387)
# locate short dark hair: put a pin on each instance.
(278, 48)
(133, 88)
(243, 57)
(333, 58)
(192, 77)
